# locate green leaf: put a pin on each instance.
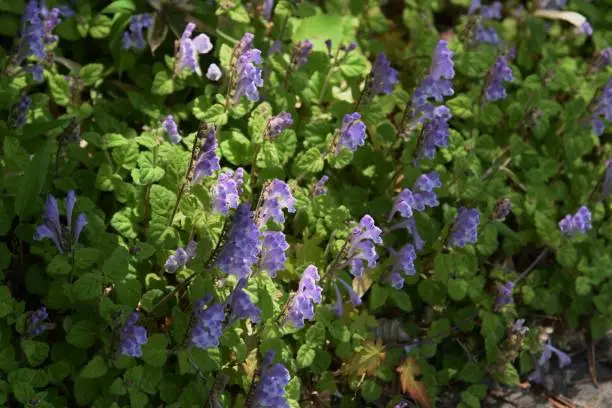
(378, 296)
(154, 351)
(162, 200)
(147, 175)
(86, 257)
(138, 399)
(310, 161)
(88, 286)
(236, 147)
(33, 181)
(461, 106)
(128, 292)
(122, 222)
(91, 73)
(59, 266)
(214, 114)
(96, 368)
(36, 352)
(100, 26)
(6, 301)
(148, 299)
(60, 89)
(457, 289)
(355, 65)
(371, 391)
(120, 6)
(162, 84)
(115, 268)
(401, 300)
(583, 286)
(82, 334)
(158, 32)
(305, 356)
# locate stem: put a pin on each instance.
(328, 76)
(365, 89)
(533, 265)
(254, 165)
(181, 190)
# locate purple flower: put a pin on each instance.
(171, 129)
(352, 132)
(190, 48)
(552, 4)
(603, 107)
(504, 295)
(442, 66)
(362, 248)
(36, 31)
(277, 196)
(208, 325)
(278, 123)
(19, 112)
(300, 53)
(132, 337)
(604, 58)
(435, 132)
(270, 390)
(227, 191)
(465, 227)
(214, 72)
(241, 305)
(268, 7)
(328, 45)
(543, 363)
(241, 249)
(181, 257)
(483, 34)
(134, 36)
(502, 209)
(500, 73)
(606, 186)
(37, 72)
(382, 78)
(273, 252)
(338, 308)
(577, 223)
(247, 75)
(403, 265)
(207, 161)
(63, 238)
(309, 293)
(319, 188)
(419, 198)
(586, 29)
(36, 322)
(519, 328)
(486, 35)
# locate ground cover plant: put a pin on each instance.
(300, 204)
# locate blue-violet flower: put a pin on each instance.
(352, 132)
(189, 50)
(309, 293)
(132, 337)
(207, 161)
(181, 257)
(63, 238)
(465, 227)
(577, 223)
(227, 191)
(276, 196)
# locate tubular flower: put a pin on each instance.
(338, 308)
(308, 294)
(504, 294)
(241, 249)
(189, 50)
(319, 188)
(20, 111)
(171, 128)
(382, 77)
(543, 363)
(362, 246)
(602, 108)
(483, 34)
(278, 123)
(207, 161)
(208, 325)
(577, 223)
(38, 23)
(241, 305)
(352, 132)
(300, 53)
(403, 265)
(132, 337)
(36, 322)
(270, 390)
(62, 237)
(227, 191)
(465, 227)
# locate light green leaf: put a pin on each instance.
(100, 26)
(91, 73)
(215, 114)
(236, 147)
(310, 161)
(305, 356)
(122, 222)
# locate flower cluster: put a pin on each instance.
(504, 294)
(134, 36)
(132, 337)
(576, 223)
(190, 48)
(602, 108)
(270, 390)
(240, 251)
(36, 322)
(319, 188)
(483, 34)
(278, 123)
(207, 161)
(543, 363)
(420, 197)
(276, 197)
(208, 325)
(438, 83)
(383, 77)
(300, 53)
(227, 190)
(309, 293)
(38, 23)
(63, 238)
(273, 252)
(352, 133)
(499, 73)
(171, 128)
(362, 246)
(247, 76)
(181, 257)
(465, 227)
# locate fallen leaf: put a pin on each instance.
(367, 360)
(416, 389)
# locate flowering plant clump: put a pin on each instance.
(300, 204)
